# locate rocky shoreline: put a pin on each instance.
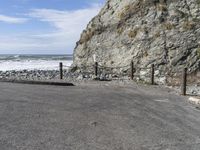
(47, 75)
(55, 75)
(37, 75)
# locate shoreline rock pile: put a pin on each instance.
(35, 74)
(46, 75)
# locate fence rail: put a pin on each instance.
(153, 75)
(100, 69)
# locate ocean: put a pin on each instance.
(34, 62)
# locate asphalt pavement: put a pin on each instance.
(96, 117)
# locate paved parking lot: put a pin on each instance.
(96, 117)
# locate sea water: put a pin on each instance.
(33, 62)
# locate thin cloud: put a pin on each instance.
(68, 26)
(65, 20)
(12, 20)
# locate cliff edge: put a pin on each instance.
(161, 32)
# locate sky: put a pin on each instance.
(44, 26)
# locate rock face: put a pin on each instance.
(161, 32)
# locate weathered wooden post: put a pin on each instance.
(199, 65)
(132, 70)
(184, 81)
(61, 70)
(96, 69)
(152, 74)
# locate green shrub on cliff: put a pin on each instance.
(188, 25)
(198, 2)
(133, 33)
(86, 35)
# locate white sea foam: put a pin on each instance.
(30, 63)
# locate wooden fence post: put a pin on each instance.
(184, 81)
(152, 74)
(132, 70)
(61, 70)
(96, 69)
(199, 66)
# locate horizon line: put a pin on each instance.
(33, 54)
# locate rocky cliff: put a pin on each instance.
(161, 32)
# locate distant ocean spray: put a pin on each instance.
(33, 62)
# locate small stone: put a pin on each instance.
(94, 123)
(80, 77)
